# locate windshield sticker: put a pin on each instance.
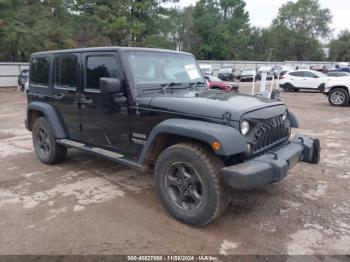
(192, 71)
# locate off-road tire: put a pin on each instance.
(316, 151)
(55, 153)
(216, 195)
(344, 92)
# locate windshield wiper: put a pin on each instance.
(166, 86)
(194, 85)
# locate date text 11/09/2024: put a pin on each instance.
(173, 258)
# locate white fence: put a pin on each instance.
(9, 73)
(238, 65)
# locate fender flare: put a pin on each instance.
(293, 120)
(232, 142)
(50, 114)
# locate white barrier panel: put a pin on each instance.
(9, 73)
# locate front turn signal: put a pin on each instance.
(216, 146)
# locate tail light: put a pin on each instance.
(282, 77)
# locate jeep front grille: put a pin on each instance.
(268, 132)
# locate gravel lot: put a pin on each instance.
(89, 205)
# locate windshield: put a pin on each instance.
(205, 70)
(265, 69)
(248, 72)
(225, 70)
(214, 79)
(160, 68)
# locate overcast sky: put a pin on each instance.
(262, 12)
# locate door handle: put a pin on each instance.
(59, 96)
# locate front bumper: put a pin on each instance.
(247, 78)
(273, 165)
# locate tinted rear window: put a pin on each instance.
(40, 71)
(66, 71)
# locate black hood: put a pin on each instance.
(209, 104)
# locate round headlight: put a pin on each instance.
(284, 117)
(245, 127)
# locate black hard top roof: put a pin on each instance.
(106, 49)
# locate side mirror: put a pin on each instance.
(110, 85)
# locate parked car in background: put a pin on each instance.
(206, 69)
(281, 70)
(266, 69)
(337, 89)
(23, 78)
(302, 67)
(226, 74)
(248, 75)
(303, 79)
(338, 74)
(216, 83)
(343, 66)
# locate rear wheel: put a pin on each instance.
(189, 184)
(338, 97)
(46, 148)
(289, 87)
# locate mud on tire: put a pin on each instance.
(191, 168)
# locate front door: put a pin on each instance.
(105, 118)
(66, 92)
(312, 80)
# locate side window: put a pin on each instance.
(40, 70)
(310, 75)
(297, 74)
(100, 66)
(66, 68)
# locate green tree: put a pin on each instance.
(22, 32)
(339, 48)
(220, 29)
(297, 30)
(124, 22)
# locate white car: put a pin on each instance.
(303, 79)
(337, 89)
(206, 69)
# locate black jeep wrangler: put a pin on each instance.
(151, 109)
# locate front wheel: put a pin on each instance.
(338, 97)
(189, 184)
(46, 148)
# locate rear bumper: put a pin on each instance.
(283, 86)
(273, 165)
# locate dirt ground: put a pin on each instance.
(88, 205)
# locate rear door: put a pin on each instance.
(105, 118)
(297, 79)
(66, 92)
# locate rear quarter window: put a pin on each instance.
(40, 70)
(66, 71)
